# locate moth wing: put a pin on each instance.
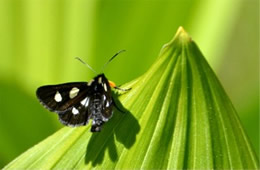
(62, 97)
(107, 109)
(77, 115)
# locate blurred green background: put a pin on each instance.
(40, 38)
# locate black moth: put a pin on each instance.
(78, 102)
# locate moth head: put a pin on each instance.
(99, 83)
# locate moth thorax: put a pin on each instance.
(99, 87)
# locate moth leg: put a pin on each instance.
(118, 88)
(114, 103)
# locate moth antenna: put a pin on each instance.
(111, 59)
(86, 64)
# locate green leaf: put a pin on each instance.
(179, 117)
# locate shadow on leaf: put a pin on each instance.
(123, 127)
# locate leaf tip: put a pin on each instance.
(182, 35)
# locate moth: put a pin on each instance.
(78, 102)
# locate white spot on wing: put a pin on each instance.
(75, 111)
(104, 97)
(58, 97)
(90, 82)
(100, 80)
(74, 92)
(85, 102)
(107, 104)
(105, 87)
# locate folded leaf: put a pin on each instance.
(178, 117)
